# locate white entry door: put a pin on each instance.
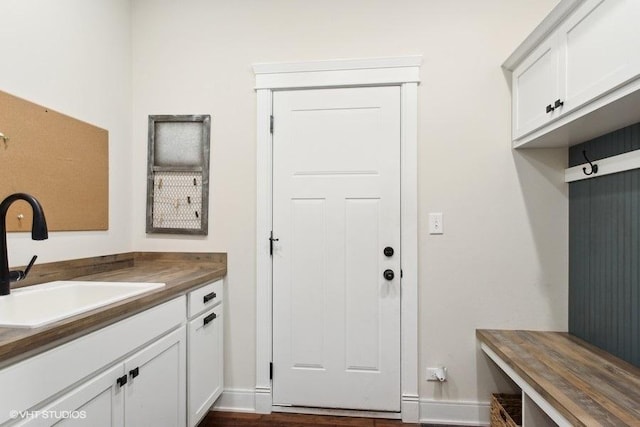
(336, 207)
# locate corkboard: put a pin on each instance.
(61, 161)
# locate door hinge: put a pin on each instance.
(271, 240)
(270, 370)
(271, 124)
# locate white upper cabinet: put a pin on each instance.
(600, 44)
(575, 77)
(536, 84)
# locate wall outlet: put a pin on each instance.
(437, 374)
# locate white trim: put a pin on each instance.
(455, 413)
(235, 400)
(337, 65)
(526, 388)
(403, 72)
(564, 8)
(263, 260)
(409, 252)
(614, 164)
(350, 72)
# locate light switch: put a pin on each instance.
(435, 223)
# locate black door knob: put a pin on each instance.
(388, 251)
(388, 274)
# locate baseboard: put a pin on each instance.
(454, 413)
(236, 400)
(431, 411)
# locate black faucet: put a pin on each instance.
(38, 232)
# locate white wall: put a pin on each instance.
(74, 56)
(502, 262)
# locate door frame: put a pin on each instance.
(405, 73)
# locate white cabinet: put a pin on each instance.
(155, 388)
(205, 350)
(575, 70)
(161, 367)
(536, 85)
(599, 42)
(148, 388)
(93, 373)
(98, 402)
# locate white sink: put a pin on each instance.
(38, 305)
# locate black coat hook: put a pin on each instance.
(594, 167)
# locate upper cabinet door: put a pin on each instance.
(599, 44)
(536, 85)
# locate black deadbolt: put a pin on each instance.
(388, 251)
(388, 274)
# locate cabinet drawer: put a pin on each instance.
(205, 297)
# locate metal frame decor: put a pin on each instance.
(178, 174)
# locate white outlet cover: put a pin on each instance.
(435, 223)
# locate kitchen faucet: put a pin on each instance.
(38, 232)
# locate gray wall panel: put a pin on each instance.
(604, 250)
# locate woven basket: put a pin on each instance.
(506, 410)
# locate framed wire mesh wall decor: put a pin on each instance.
(178, 174)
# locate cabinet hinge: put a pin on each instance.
(401, 274)
(270, 370)
(271, 123)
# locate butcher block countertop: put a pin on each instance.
(587, 385)
(181, 272)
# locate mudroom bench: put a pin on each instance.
(564, 380)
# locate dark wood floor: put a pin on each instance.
(234, 419)
(219, 419)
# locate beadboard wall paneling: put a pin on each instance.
(604, 250)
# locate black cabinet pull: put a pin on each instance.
(388, 274)
(558, 104)
(550, 108)
(134, 372)
(388, 251)
(209, 297)
(209, 318)
(122, 380)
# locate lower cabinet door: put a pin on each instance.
(155, 392)
(97, 402)
(205, 364)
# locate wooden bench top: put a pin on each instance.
(587, 385)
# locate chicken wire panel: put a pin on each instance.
(177, 200)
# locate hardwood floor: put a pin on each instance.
(229, 419)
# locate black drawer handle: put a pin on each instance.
(209, 319)
(134, 372)
(209, 297)
(122, 380)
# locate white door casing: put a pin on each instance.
(336, 205)
(404, 73)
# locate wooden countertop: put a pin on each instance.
(587, 385)
(180, 271)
